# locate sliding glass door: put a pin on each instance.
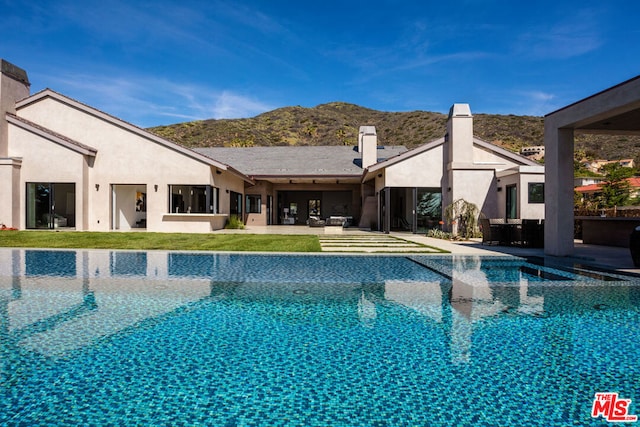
(51, 205)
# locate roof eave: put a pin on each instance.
(50, 135)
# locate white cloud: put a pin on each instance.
(149, 101)
(578, 35)
(533, 103)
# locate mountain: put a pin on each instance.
(337, 123)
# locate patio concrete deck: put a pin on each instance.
(608, 257)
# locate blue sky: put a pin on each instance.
(162, 62)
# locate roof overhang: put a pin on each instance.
(614, 111)
(50, 135)
(309, 179)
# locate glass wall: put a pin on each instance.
(428, 209)
(51, 205)
(414, 209)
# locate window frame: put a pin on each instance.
(253, 203)
(192, 200)
(533, 196)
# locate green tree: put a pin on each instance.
(616, 190)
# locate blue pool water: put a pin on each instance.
(168, 338)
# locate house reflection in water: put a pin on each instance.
(55, 302)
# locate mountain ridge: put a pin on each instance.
(337, 123)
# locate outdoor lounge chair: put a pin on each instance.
(315, 221)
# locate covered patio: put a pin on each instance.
(614, 111)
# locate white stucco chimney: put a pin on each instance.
(368, 145)
(460, 135)
(14, 86)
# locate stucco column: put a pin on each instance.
(387, 210)
(10, 192)
(558, 226)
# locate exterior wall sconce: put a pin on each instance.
(97, 187)
(155, 187)
(218, 171)
(227, 190)
(499, 189)
(379, 175)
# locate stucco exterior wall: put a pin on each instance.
(46, 161)
(530, 210)
(9, 192)
(477, 186)
(123, 157)
(263, 189)
(485, 157)
(421, 170)
(520, 177)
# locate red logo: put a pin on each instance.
(612, 408)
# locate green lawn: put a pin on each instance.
(166, 241)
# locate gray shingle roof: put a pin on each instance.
(296, 161)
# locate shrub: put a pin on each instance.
(436, 233)
(235, 223)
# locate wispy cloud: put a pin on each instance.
(531, 102)
(142, 99)
(577, 35)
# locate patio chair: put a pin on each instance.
(515, 231)
(493, 231)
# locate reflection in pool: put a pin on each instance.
(168, 338)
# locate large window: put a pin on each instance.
(536, 192)
(428, 208)
(253, 203)
(193, 199)
(51, 205)
(235, 203)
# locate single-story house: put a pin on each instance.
(64, 164)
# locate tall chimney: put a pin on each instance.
(368, 145)
(14, 86)
(460, 135)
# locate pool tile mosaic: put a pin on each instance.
(231, 340)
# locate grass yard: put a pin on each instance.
(165, 241)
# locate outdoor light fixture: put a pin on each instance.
(155, 187)
(97, 187)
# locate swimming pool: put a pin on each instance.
(171, 338)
